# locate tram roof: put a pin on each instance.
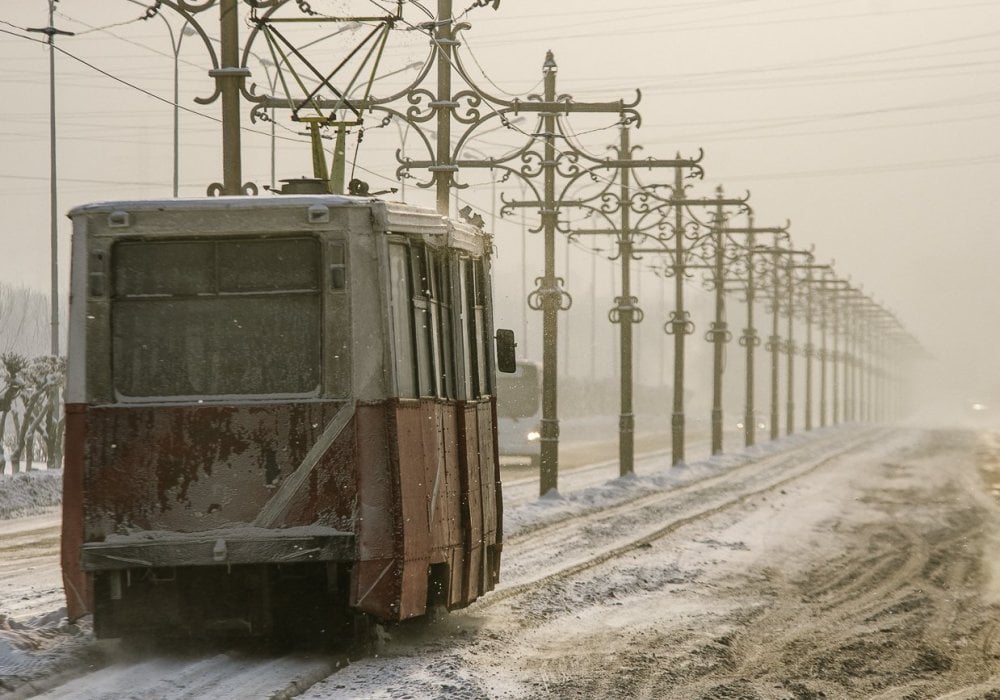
(395, 216)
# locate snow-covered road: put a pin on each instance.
(846, 563)
(30, 582)
(836, 571)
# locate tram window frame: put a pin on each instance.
(465, 329)
(403, 340)
(446, 322)
(481, 332)
(423, 327)
(150, 362)
(474, 328)
(445, 353)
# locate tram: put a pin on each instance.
(280, 412)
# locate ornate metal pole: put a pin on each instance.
(750, 340)
(841, 350)
(854, 363)
(444, 41)
(859, 366)
(872, 369)
(230, 77)
(790, 340)
(864, 366)
(527, 164)
(790, 351)
(626, 308)
(823, 355)
(847, 361)
(679, 325)
(774, 342)
(882, 340)
(718, 333)
(550, 295)
(851, 355)
(632, 198)
(836, 357)
(810, 350)
(830, 325)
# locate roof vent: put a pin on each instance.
(304, 185)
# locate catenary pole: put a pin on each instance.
(50, 31)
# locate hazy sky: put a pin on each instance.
(870, 124)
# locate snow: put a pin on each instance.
(29, 493)
(774, 572)
(651, 475)
(691, 605)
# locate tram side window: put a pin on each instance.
(401, 320)
(465, 319)
(446, 346)
(426, 363)
(423, 322)
(474, 330)
(431, 292)
(478, 299)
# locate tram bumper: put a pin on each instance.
(236, 546)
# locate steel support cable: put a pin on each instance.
(170, 102)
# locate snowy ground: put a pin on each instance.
(29, 493)
(867, 576)
(849, 563)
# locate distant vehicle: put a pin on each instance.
(519, 412)
(280, 415)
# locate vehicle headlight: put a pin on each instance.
(534, 435)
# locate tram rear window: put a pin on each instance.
(223, 317)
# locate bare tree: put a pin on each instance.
(12, 367)
(40, 415)
(24, 318)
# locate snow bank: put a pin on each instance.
(29, 493)
(38, 648)
(658, 475)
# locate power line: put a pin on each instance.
(976, 98)
(704, 24)
(989, 159)
(140, 89)
(490, 80)
(88, 181)
(185, 109)
(147, 47)
(92, 28)
(828, 132)
(896, 74)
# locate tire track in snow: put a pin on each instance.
(540, 540)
